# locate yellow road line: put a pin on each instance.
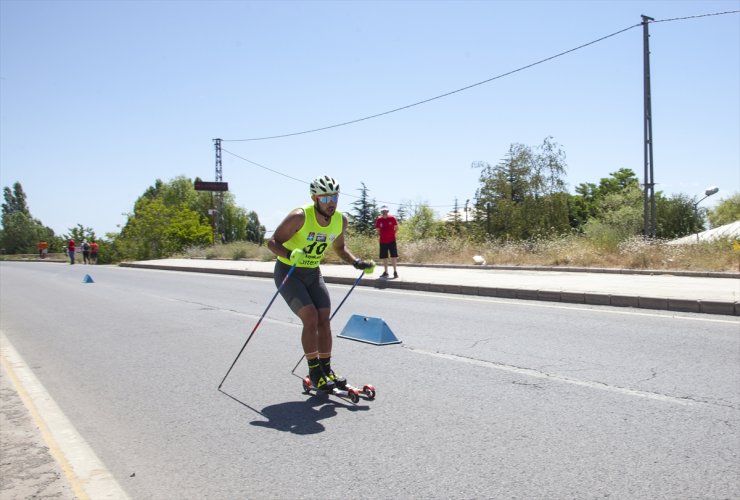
(84, 471)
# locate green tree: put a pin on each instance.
(362, 218)
(255, 230)
(676, 217)
(548, 169)
(421, 224)
(617, 182)
(591, 200)
(189, 212)
(181, 191)
(727, 211)
(583, 205)
(235, 223)
(402, 213)
(15, 200)
(620, 216)
(503, 187)
(156, 230)
(454, 222)
(80, 234)
(20, 232)
(549, 200)
(524, 194)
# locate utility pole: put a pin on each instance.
(649, 186)
(217, 200)
(219, 215)
(488, 217)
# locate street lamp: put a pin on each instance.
(707, 193)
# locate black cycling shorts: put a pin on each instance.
(304, 287)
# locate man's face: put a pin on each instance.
(384, 213)
(327, 202)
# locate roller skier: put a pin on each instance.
(300, 243)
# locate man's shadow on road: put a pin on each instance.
(300, 417)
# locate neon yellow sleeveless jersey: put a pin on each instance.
(313, 238)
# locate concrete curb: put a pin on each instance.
(598, 270)
(640, 302)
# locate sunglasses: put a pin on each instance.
(327, 198)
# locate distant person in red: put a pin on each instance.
(387, 225)
(71, 251)
(43, 249)
(94, 252)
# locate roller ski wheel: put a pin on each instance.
(369, 391)
(352, 394)
(307, 385)
(349, 392)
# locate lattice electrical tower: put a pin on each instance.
(219, 201)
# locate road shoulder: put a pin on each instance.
(27, 467)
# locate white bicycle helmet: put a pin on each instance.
(324, 185)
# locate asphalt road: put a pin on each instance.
(485, 398)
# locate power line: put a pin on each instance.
(439, 96)
(308, 183)
(468, 87)
(696, 17)
(262, 166)
(446, 95)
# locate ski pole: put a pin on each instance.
(290, 271)
(333, 314)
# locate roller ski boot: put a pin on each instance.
(318, 379)
(327, 382)
(339, 381)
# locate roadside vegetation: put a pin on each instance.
(520, 215)
(568, 251)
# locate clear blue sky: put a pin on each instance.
(98, 99)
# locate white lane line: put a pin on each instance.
(86, 473)
(593, 308)
(557, 378)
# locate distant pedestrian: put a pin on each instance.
(387, 226)
(71, 251)
(94, 252)
(43, 249)
(85, 252)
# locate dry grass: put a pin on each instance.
(233, 251)
(575, 251)
(570, 251)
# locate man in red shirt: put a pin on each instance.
(387, 225)
(71, 251)
(43, 249)
(94, 247)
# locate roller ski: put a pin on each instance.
(346, 392)
(322, 379)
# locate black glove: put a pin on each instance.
(363, 264)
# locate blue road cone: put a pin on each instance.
(87, 279)
(371, 330)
